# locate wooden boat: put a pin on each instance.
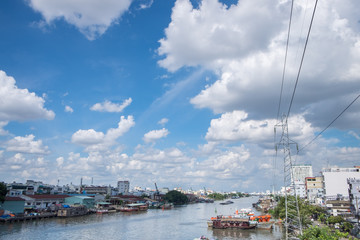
(227, 202)
(134, 207)
(72, 211)
(234, 221)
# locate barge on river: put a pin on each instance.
(224, 222)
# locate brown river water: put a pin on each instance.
(180, 223)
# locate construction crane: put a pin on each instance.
(157, 193)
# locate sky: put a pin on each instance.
(184, 93)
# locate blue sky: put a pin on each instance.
(182, 93)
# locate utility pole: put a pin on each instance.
(292, 214)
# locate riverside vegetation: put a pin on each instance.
(309, 213)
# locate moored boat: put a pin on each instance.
(233, 221)
(263, 221)
(72, 211)
(134, 207)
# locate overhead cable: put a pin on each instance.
(329, 124)
(302, 59)
(286, 51)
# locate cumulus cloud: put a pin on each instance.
(69, 109)
(26, 144)
(154, 135)
(108, 106)
(20, 104)
(235, 126)
(244, 45)
(98, 141)
(217, 31)
(91, 17)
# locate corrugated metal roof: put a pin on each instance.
(48, 196)
(14, 199)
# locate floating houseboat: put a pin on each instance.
(233, 221)
(134, 207)
(72, 211)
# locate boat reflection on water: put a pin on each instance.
(254, 234)
(233, 233)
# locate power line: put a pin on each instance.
(286, 51)
(302, 59)
(329, 124)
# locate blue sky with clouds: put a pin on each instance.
(182, 93)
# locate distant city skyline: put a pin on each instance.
(181, 93)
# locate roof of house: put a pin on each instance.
(13, 199)
(82, 197)
(48, 196)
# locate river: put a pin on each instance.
(180, 223)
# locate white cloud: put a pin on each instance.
(155, 135)
(214, 31)
(2, 125)
(108, 106)
(69, 109)
(87, 137)
(146, 4)
(354, 134)
(98, 141)
(20, 104)
(26, 145)
(235, 126)
(163, 121)
(91, 17)
(244, 45)
(60, 161)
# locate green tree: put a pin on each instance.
(176, 197)
(217, 196)
(335, 219)
(3, 191)
(306, 210)
(324, 233)
(347, 226)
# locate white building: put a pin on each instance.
(354, 194)
(124, 187)
(300, 189)
(335, 181)
(314, 189)
(300, 172)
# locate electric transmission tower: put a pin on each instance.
(292, 221)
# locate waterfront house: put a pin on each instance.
(13, 205)
(87, 201)
(42, 201)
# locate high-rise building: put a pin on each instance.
(354, 195)
(335, 181)
(314, 189)
(300, 172)
(123, 187)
